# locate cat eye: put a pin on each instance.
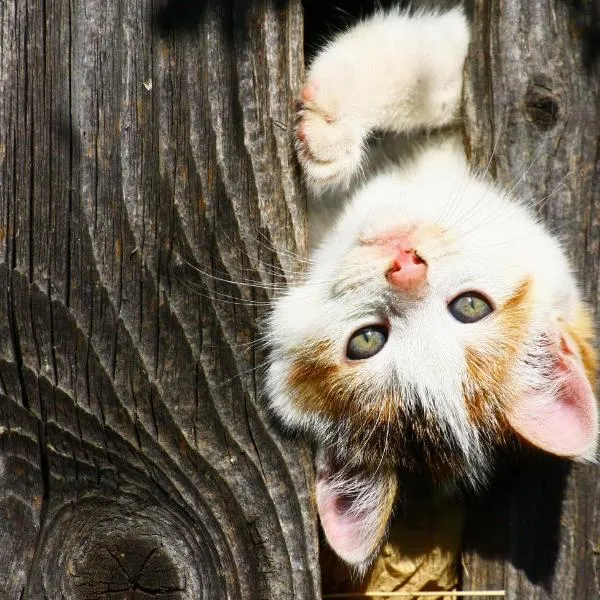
(470, 307)
(366, 342)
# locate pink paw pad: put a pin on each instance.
(309, 92)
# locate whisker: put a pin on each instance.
(260, 342)
(451, 206)
(472, 210)
(448, 206)
(540, 204)
(241, 283)
(503, 209)
(246, 372)
(542, 147)
(278, 250)
(220, 296)
(272, 249)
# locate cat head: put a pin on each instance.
(439, 322)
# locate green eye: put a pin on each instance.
(366, 342)
(469, 307)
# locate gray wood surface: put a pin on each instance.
(533, 92)
(145, 161)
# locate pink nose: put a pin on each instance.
(408, 271)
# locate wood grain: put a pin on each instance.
(532, 105)
(145, 165)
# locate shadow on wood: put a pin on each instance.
(518, 520)
(179, 16)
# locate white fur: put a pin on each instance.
(393, 72)
(402, 73)
(426, 344)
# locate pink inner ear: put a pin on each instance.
(343, 530)
(564, 420)
(354, 521)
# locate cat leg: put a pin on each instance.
(392, 72)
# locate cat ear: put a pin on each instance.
(355, 510)
(563, 418)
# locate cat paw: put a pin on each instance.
(329, 145)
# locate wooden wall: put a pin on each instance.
(145, 163)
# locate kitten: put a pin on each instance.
(439, 323)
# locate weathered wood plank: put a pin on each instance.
(533, 103)
(146, 162)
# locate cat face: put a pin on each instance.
(438, 322)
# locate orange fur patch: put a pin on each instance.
(324, 387)
(313, 377)
(488, 386)
(375, 429)
(581, 331)
(515, 315)
(481, 389)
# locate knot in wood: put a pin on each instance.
(542, 106)
(102, 548)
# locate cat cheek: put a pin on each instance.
(563, 418)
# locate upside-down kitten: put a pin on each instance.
(439, 322)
